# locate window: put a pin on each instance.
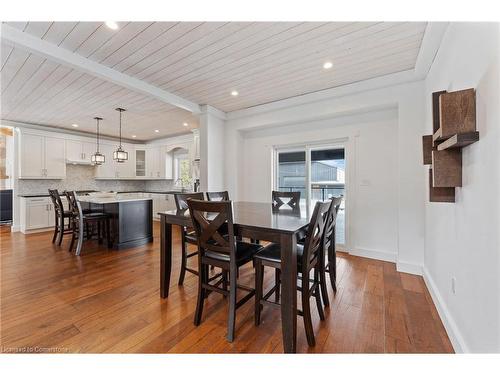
(182, 170)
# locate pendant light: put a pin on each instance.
(97, 158)
(120, 155)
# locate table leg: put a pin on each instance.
(289, 292)
(165, 257)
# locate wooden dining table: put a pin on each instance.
(259, 221)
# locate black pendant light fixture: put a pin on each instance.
(97, 158)
(120, 155)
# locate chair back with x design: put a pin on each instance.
(292, 196)
(181, 199)
(213, 223)
(331, 221)
(313, 245)
(217, 195)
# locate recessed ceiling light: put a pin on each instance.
(112, 25)
(157, 131)
(185, 124)
(327, 65)
(74, 125)
(134, 136)
(234, 93)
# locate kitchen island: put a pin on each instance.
(131, 218)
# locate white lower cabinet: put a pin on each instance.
(36, 213)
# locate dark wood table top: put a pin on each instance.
(253, 215)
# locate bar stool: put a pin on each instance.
(188, 235)
(308, 258)
(80, 221)
(60, 215)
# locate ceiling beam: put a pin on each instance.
(19, 39)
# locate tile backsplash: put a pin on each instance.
(81, 177)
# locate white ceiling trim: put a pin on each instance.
(60, 55)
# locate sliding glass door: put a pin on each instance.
(318, 172)
(291, 173)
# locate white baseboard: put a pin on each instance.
(16, 228)
(413, 268)
(374, 254)
(456, 338)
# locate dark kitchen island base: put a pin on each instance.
(131, 221)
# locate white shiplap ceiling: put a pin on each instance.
(202, 62)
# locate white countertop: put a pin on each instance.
(115, 199)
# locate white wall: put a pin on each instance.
(462, 239)
(316, 116)
(371, 143)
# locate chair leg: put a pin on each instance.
(73, 235)
(322, 283)
(60, 226)
(231, 319)
(224, 281)
(79, 244)
(108, 234)
(259, 280)
(277, 282)
(317, 294)
(201, 294)
(306, 309)
(183, 261)
(332, 263)
(55, 233)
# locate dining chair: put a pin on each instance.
(81, 221)
(329, 244)
(217, 196)
(308, 259)
(60, 216)
(292, 199)
(188, 235)
(217, 246)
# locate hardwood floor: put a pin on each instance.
(108, 301)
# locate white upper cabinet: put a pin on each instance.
(31, 154)
(79, 151)
(44, 155)
(55, 163)
(111, 169)
(153, 163)
(107, 169)
(41, 157)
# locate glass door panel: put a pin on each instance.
(292, 173)
(327, 167)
